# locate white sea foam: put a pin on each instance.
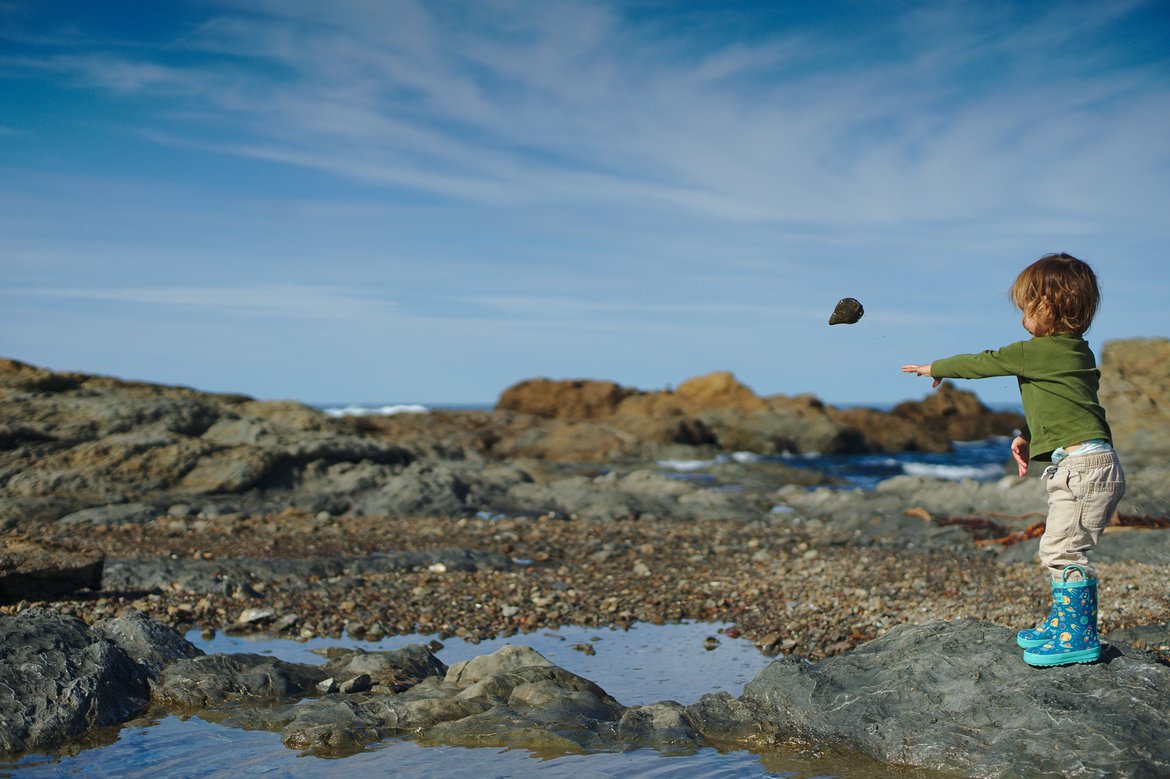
(355, 410)
(800, 455)
(690, 465)
(953, 472)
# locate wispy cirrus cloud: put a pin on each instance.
(292, 301)
(568, 102)
(522, 184)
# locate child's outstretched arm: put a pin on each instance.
(921, 370)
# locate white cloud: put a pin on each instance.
(562, 102)
(262, 300)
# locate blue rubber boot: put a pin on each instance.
(1074, 638)
(1046, 630)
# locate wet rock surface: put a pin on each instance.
(957, 696)
(59, 680)
(948, 696)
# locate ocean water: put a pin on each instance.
(389, 409)
(985, 460)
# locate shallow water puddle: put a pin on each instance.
(641, 665)
(644, 664)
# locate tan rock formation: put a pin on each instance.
(720, 390)
(1135, 390)
(566, 399)
(34, 570)
(929, 425)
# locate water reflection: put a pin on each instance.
(645, 664)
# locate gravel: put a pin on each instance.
(789, 588)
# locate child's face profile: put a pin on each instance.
(1033, 324)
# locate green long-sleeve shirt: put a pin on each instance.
(1058, 380)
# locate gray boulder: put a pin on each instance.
(397, 668)
(513, 697)
(151, 644)
(423, 489)
(115, 514)
(957, 696)
(60, 680)
(212, 680)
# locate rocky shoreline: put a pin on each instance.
(908, 698)
(180, 509)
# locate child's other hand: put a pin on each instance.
(921, 370)
(1020, 450)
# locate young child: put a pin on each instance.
(1065, 424)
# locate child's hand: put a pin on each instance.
(921, 370)
(1020, 451)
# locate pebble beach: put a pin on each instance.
(787, 589)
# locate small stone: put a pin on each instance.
(437, 568)
(285, 622)
(769, 640)
(359, 683)
(327, 686)
(252, 616)
(641, 569)
(847, 312)
(710, 643)
(586, 648)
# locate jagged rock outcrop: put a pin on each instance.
(61, 680)
(1135, 390)
(593, 421)
(70, 441)
(571, 399)
(932, 424)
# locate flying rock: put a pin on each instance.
(847, 312)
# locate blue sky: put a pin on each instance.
(429, 201)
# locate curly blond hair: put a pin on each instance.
(1060, 294)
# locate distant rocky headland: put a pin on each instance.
(77, 447)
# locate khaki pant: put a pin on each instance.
(1083, 493)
